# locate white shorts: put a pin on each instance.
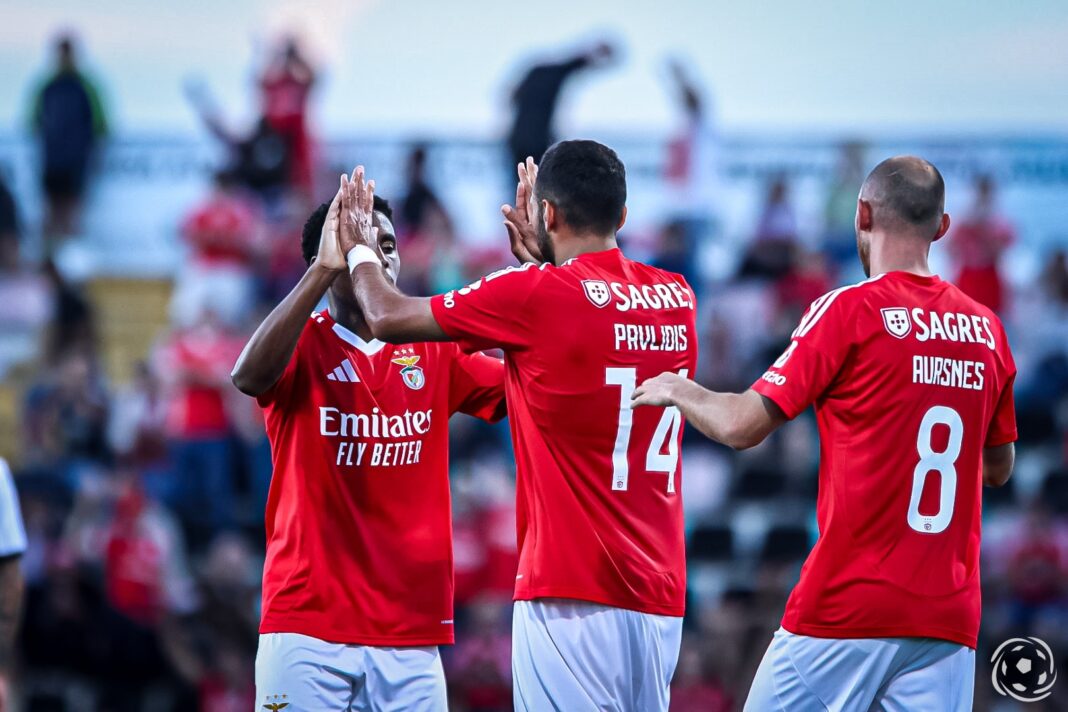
(859, 674)
(575, 656)
(311, 674)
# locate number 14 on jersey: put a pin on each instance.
(668, 428)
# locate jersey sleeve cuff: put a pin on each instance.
(441, 316)
(777, 397)
(994, 440)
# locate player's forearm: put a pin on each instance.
(391, 315)
(11, 590)
(997, 464)
(737, 420)
(267, 353)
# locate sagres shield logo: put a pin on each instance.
(413, 375)
(597, 292)
(1023, 669)
(897, 322)
(275, 703)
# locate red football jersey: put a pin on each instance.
(599, 506)
(911, 378)
(359, 533)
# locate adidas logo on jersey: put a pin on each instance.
(344, 373)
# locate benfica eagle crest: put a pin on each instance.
(413, 375)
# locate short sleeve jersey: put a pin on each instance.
(910, 379)
(359, 532)
(599, 506)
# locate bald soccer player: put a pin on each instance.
(912, 384)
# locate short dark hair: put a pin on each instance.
(587, 182)
(910, 189)
(313, 227)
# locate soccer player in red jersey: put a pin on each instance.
(601, 581)
(912, 384)
(357, 584)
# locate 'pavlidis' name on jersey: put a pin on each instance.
(650, 337)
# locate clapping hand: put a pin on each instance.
(330, 254)
(356, 213)
(519, 220)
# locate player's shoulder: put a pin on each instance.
(629, 284)
(516, 279)
(839, 304)
(962, 302)
(319, 325)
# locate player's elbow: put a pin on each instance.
(386, 327)
(740, 438)
(996, 476)
(246, 383)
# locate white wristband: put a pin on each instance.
(361, 254)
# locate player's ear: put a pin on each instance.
(864, 220)
(549, 211)
(943, 228)
(622, 219)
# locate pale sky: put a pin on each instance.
(443, 68)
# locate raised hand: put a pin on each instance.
(357, 212)
(330, 254)
(519, 221)
(659, 391)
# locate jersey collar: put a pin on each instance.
(369, 348)
(611, 254)
(913, 277)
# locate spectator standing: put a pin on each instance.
(419, 198)
(69, 119)
(26, 300)
(284, 89)
(839, 235)
(65, 419)
(977, 245)
(224, 233)
(772, 252)
(193, 364)
(259, 159)
(693, 175)
(535, 98)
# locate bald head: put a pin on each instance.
(906, 193)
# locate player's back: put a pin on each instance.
(918, 380)
(602, 480)
(599, 503)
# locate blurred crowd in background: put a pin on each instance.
(143, 498)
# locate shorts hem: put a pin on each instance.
(818, 631)
(656, 610)
(342, 638)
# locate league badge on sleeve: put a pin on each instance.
(897, 322)
(411, 374)
(597, 292)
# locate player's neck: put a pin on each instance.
(352, 319)
(896, 255)
(575, 246)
